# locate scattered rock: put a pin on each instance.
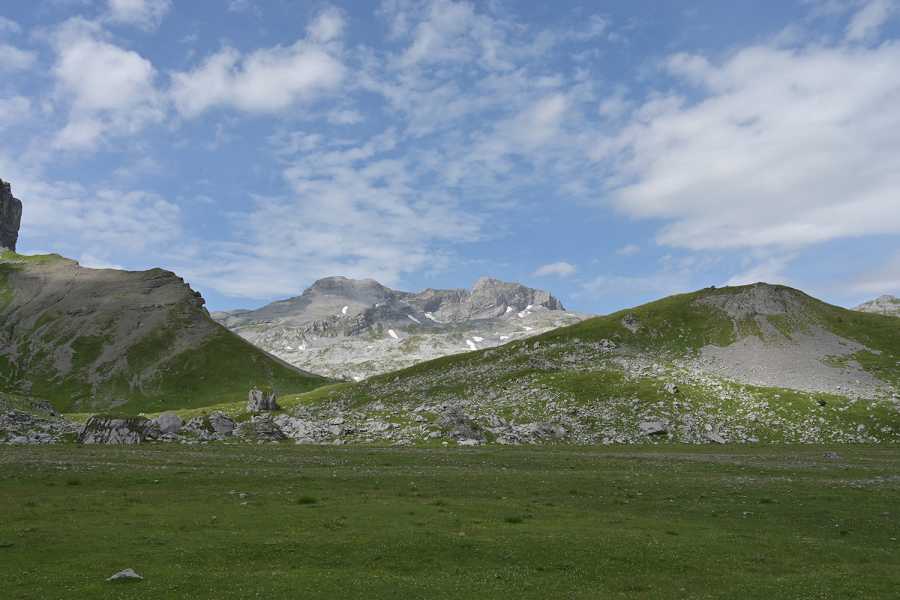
(832, 456)
(260, 401)
(127, 575)
(101, 429)
(653, 427)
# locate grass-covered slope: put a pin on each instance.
(89, 340)
(752, 363)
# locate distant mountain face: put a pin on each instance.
(91, 339)
(353, 329)
(883, 305)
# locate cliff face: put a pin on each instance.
(10, 217)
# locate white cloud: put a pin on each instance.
(344, 117)
(146, 14)
(786, 147)
(14, 59)
(9, 26)
(242, 6)
(352, 210)
(14, 110)
(327, 26)
(110, 225)
(767, 270)
(869, 19)
(110, 90)
(557, 269)
(265, 81)
(628, 250)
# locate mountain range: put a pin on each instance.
(353, 361)
(353, 329)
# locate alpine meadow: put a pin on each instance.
(450, 299)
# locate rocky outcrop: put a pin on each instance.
(101, 429)
(10, 217)
(260, 401)
(883, 305)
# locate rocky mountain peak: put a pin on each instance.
(10, 217)
(883, 305)
(758, 299)
(349, 288)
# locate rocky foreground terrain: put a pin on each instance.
(353, 329)
(883, 305)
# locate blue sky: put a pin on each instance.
(612, 152)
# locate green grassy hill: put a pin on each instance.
(91, 340)
(754, 363)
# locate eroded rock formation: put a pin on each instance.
(10, 217)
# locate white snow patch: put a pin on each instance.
(504, 337)
(471, 345)
(529, 328)
(414, 320)
(432, 317)
(529, 307)
(344, 310)
(478, 339)
(393, 334)
(357, 378)
(509, 309)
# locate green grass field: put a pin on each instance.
(279, 521)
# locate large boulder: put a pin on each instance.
(221, 423)
(260, 401)
(169, 422)
(101, 429)
(261, 428)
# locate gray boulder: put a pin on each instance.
(127, 575)
(261, 429)
(653, 427)
(101, 429)
(221, 423)
(260, 401)
(169, 422)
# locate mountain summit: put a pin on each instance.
(883, 305)
(354, 328)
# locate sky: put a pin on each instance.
(612, 152)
